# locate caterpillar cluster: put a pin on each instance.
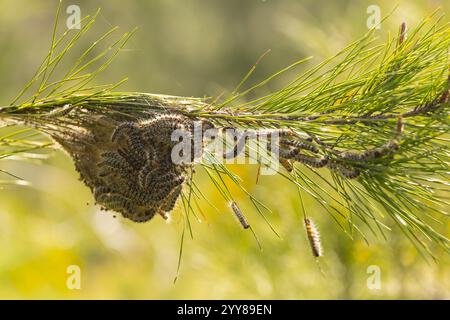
(347, 164)
(287, 164)
(127, 163)
(291, 148)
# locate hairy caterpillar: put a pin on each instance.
(113, 163)
(160, 128)
(299, 145)
(172, 199)
(100, 190)
(313, 237)
(346, 171)
(241, 138)
(239, 215)
(372, 154)
(129, 130)
(116, 202)
(286, 164)
(134, 159)
(387, 149)
(61, 111)
(402, 34)
(311, 161)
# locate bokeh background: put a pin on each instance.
(193, 48)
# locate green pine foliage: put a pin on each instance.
(356, 102)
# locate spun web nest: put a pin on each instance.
(124, 158)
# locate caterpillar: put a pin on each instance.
(171, 199)
(146, 171)
(298, 144)
(239, 215)
(126, 129)
(346, 171)
(99, 190)
(160, 128)
(61, 111)
(240, 140)
(143, 216)
(261, 132)
(402, 34)
(113, 163)
(162, 189)
(286, 164)
(286, 153)
(117, 202)
(242, 137)
(387, 149)
(311, 161)
(133, 158)
(372, 154)
(313, 237)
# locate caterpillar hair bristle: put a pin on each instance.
(239, 215)
(313, 237)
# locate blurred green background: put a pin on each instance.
(193, 48)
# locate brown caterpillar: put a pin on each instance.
(402, 34)
(113, 163)
(346, 171)
(242, 137)
(311, 161)
(286, 164)
(372, 154)
(239, 215)
(299, 144)
(313, 237)
(171, 199)
(61, 111)
(387, 149)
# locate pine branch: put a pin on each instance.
(366, 132)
